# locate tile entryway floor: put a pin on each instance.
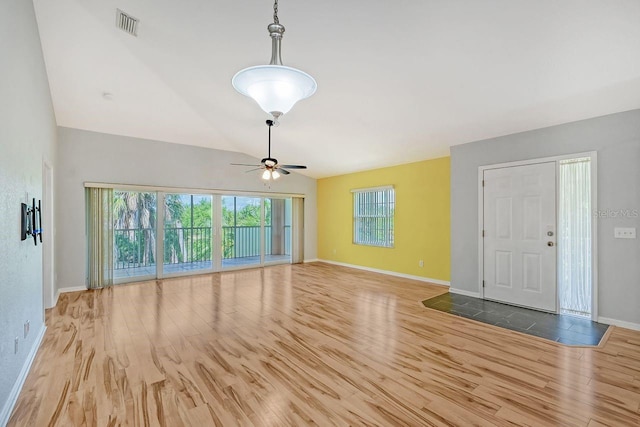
(565, 329)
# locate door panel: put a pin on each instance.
(503, 269)
(519, 255)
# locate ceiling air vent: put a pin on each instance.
(127, 23)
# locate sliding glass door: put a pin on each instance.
(188, 233)
(241, 225)
(134, 234)
(277, 230)
(141, 235)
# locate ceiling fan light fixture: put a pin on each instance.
(269, 165)
(274, 87)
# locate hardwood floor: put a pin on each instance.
(311, 344)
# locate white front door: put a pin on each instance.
(520, 235)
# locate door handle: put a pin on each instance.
(549, 243)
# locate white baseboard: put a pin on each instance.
(311, 260)
(465, 293)
(65, 290)
(17, 386)
(387, 272)
(621, 323)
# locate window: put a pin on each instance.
(133, 234)
(373, 212)
(574, 237)
(187, 232)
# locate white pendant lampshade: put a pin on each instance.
(274, 87)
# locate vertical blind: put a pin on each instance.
(99, 237)
(574, 232)
(373, 214)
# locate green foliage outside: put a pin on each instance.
(187, 234)
(247, 216)
(135, 214)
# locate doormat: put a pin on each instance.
(561, 328)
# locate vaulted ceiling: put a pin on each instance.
(398, 81)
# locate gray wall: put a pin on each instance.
(616, 138)
(27, 136)
(96, 157)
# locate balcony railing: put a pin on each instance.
(187, 244)
(135, 248)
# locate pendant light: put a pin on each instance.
(274, 87)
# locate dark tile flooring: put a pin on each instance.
(566, 329)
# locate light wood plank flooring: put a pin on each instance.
(311, 344)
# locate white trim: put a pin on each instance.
(594, 236)
(261, 238)
(389, 273)
(372, 189)
(538, 160)
(465, 293)
(479, 231)
(17, 386)
(593, 155)
(69, 289)
(620, 323)
(198, 191)
(216, 232)
(311, 260)
(161, 200)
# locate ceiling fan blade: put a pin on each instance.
(251, 170)
(293, 166)
(284, 171)
(243, 164)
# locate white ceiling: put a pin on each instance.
(398, 81)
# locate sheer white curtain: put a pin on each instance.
(100, 237)
(297, 230)
(574, 234)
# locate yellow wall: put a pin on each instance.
(422, 221)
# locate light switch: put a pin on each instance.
(624, 233)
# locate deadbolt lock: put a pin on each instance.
(549, 233)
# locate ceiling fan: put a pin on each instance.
(272, 169)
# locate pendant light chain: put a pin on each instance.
(275, 12)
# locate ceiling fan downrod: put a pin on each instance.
(268, 161)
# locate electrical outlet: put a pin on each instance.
(15, 348)
(624, 233)
(27, 326)
(421, 263)
(334, 251)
